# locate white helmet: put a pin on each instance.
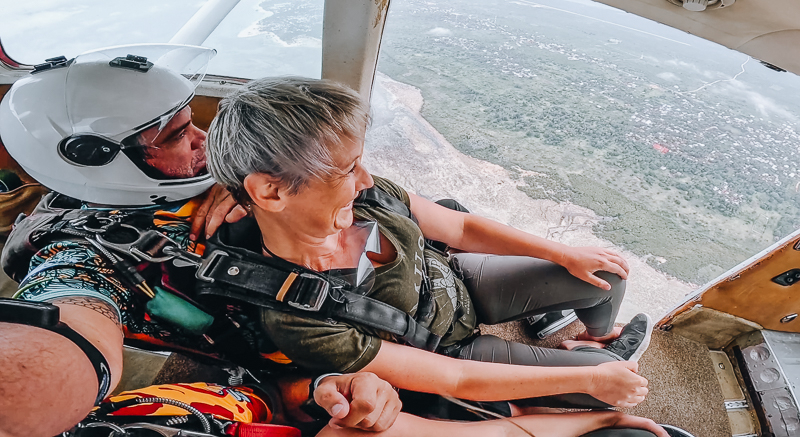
(65, 123)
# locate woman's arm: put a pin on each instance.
(472, 233)
(615, 383)
(540, 425)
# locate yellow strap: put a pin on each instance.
(285, 287)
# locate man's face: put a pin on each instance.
(178, 151)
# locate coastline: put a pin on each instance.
(402, 146)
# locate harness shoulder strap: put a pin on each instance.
(231, 272)
(377, 197)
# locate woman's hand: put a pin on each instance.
(219, 205)
(616, 383)
(584, 262)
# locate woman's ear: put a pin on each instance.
(265, 191)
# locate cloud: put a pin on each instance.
(669, 76)
(439, 31)
(763, 104)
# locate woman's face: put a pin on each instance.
(325, 207)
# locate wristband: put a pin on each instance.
(319, 380)
(46, 316)
(310, 406)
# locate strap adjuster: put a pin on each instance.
(207, 264)
(307, 292)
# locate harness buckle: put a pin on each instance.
(207, 264)
(145, 245)
(308, 293)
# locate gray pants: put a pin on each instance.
(506, 288)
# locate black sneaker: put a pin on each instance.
(674, 431)
(541, 326)
(634, 338)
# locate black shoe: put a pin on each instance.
(634, 338)
(674, 431)
(542, 326)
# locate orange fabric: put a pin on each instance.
(238, 404)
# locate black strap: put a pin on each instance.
(376, 197)
(267, 282)
(95, 357)
(46, 316)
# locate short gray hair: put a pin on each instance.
(283, 127)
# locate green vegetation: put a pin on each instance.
(702, 179)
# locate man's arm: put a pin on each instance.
(47, 384)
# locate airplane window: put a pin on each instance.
(257, 38)
(670, 147)
(269, 38)
(34, 31)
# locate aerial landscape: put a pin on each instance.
(685, 149)
(675, 150)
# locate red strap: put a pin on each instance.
(4, 58)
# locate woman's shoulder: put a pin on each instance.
(392, 189)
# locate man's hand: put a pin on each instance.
(583, 262)
(616, 383)
(219, 205)
(358, 400)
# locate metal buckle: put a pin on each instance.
(207, 264)
(321, 293)
(154, 239)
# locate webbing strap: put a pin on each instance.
(261, 281)
(375, 196)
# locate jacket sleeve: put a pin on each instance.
(325, 346)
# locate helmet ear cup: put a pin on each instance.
(88, 150)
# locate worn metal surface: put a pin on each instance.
(767, 358)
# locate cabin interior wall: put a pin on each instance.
(710, 327)
(754, 296)
(204, 108)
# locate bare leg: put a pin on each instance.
(542, 425)
(572, 344)
(604, 339)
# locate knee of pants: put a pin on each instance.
(617, 283)
(484, 348)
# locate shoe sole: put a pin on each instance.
(558, 325)
(645, 341)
